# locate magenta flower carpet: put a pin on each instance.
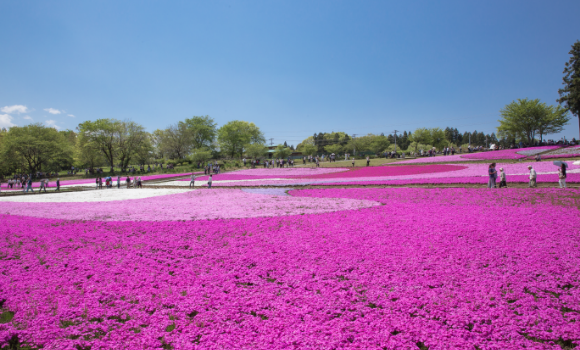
(378, 269)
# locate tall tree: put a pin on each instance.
(203, 131)
(282, 152)
(101, 134)
(256, 150)
(526, 118)
(570, 94)
(176, 141)
(234, 136)
(38, 147)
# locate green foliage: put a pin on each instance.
(282, 152)
(570, 94)
(525, 118)
(115, 139)
(35, 148)
(176, 141)
(308, 149)
(256, 150)
(236, 135)
(203, 131)
(379, 144)
(200, 155)
(335, 148)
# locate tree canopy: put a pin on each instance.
(35, 147)
(570, 93)
(236, 135)
(525, 118)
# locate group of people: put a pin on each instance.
(532, 177)
(211, 169)
(136, 182)
(25, 183)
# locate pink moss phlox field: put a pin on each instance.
(282, 172)
(200, 204)
(346, 173)
(517, 153)
(433, 173)
(440, 268)
(437, 159)
(542, 178)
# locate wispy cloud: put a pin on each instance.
(14, 109)
(28, 117)
(70, 115)
(52, 111)
(6, 121)
(52, 124)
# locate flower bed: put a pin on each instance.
(438, 269)
(151, 205)
(518, 153)
(568, 152)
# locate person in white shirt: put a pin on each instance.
(192, 181)
(533, 176)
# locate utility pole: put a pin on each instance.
(353, 145)
(271, 141)
(395, 132)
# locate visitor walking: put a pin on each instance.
(192, 181)
(139, 185)
(492, 176)
(57, 184)
(368, 161)
(118, 181)
(533, 176)
(502, 182)
(562, 176)
(29, 185)
(209, 181)
(353, 162)
(128, 182)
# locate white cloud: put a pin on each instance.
(28, 117)
(70, 115)
(52, 124)
(6, 121)
(14, 108)
(52, 111)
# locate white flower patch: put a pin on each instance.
(104, 195)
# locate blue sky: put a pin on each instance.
(292, 67)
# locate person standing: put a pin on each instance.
(353, 162)
(562, 176)
(492, 176)
(139, 185)
(533, 176)
(192, 181)
(209, 181)
(57, 184)
(128, 181)
(29, 185)
(502, 182)
(96, 183)
(118, 181)
(368, 160)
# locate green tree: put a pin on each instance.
(526, 118)
(309, 150)
(38, 147)
(174, 142)
(335, 148)
(101, 134)
(203, 131)
(200, 155)
(437, 137)
(236, 135)
(256, 150)
(421, 136)
(379, 144)
(282, 152)
(570, 94)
